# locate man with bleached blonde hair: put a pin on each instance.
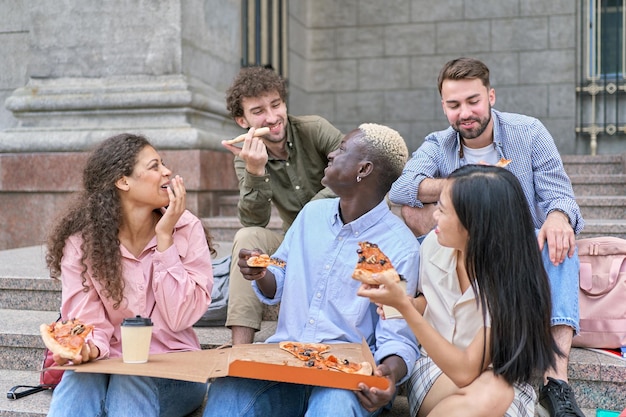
(316, 290)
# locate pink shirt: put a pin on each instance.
(173, 288)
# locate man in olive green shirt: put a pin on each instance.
(283, 167)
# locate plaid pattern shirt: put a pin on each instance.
(535, 161)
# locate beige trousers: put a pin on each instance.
(244, 307)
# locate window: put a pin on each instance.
(601, 89)
(606, 38)
(264, 34)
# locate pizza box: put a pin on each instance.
(257, 361)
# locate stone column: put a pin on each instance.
(101, 67)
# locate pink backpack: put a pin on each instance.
(602, 293)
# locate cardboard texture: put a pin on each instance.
(257, 361)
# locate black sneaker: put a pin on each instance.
(558, 399)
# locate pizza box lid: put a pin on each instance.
(257, 361)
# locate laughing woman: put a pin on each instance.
(482, 314)
(129, 247)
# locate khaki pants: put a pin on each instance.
(244, 307)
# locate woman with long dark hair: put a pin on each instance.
(482, 313)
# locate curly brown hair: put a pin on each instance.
(253, 82)
(96, 215)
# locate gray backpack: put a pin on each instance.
(216, 313)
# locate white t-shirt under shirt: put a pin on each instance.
(487, 155)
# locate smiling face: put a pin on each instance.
(268, 110)
(148, 183)
(449, 230)
(467, 105)
(344, 164)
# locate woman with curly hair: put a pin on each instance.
(129, 247)
(482, 313)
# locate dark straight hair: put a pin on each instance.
(506, 271)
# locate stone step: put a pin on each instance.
(601, 227)
(602, 207)
(224, 228)
(228, 206)
(25, 282)
(593, 164)
(595, 185)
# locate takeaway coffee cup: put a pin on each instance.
(136, 336)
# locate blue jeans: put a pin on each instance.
(564, 289)
(124, 395)
(230, 396)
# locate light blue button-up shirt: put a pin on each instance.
(317, 295)
(535, 161)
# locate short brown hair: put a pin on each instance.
(464, 69)
(253, 82)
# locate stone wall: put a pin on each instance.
(360, 61)
(79, 71)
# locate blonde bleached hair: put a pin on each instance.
(386, 148)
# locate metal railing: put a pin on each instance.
(264, 34)
(601, 89)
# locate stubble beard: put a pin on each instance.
(476, 132)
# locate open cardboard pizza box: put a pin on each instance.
(257, 361)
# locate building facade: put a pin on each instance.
(77, 71)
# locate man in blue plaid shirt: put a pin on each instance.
(478, 134)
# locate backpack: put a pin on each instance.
(602, 293)
(216, 313)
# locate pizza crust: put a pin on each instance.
(257, 132)
(263, 261)
(68, 352)
(55, 347)
(366, 369)
(503, 162)
(317, 347)
(366, 276)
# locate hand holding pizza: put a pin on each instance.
(385, 290)
(249, 272)
(253, 150)
(66, 339)
(88, 352)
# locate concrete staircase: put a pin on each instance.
(28, 298)
(600, 188)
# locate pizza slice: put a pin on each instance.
(312, 354)
(347, 366)
(257, 132)
(304, 351)
(264, 260)
(503, 162)
(66, 338)
(372, 261)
